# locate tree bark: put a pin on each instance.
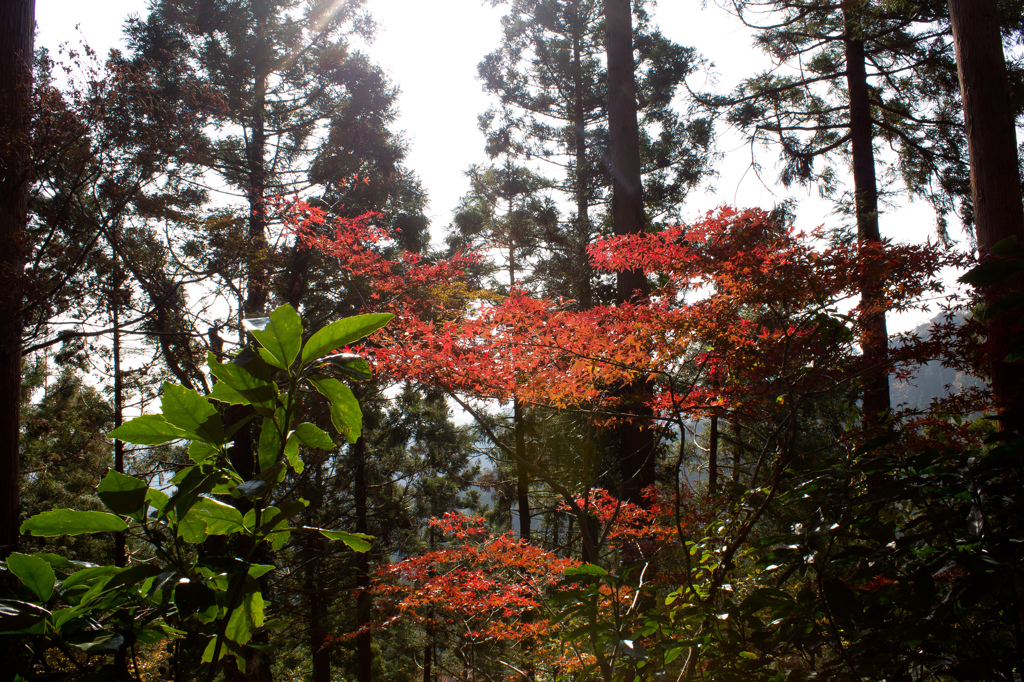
(874, 334)
(995, 174)
(713, 459)
(635, 436)
(17, 24)
(257, 286)
(584, 283)
(364, 605)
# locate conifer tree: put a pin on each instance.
(866, 73)
(549, 79)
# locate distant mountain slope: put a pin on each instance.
(931, 381)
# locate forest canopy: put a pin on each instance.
(263, 418)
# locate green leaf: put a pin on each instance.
(1006, 303)
(86, 576)
(993, 272)
(71, 522)
(123, 494)
(200, 452)
(1006, 246)
(96, 641)
(345, 413)
(585, 569)
(352, 366)
(17, 617)
(341, 333)
(149, 429)
(246, 381)
(270, 444)
(220, 518)
(357, 542)
(157, 499)
(281, 335)
(36, 573)
(211, 647)
(190, 411)
(312, 436)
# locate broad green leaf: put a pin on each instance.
(190, 411)
(247, 380)
(223, 393)
(71, 522)
(352, 366)
(87, 575)
(200, 452)
(585, 569)
(220, 518)
(36, 573)
(291, 453)
(993, 272)
(96, 641)
(123, 494)
(345, 413)
(312, 436)
(341, 333)
(56, 561)
(1006, 303)
(358, 542)
(281, 336)
(211, 647)
(19, 617)
(192, 529)
(257, 571)
(149, 429)
(269, 448)
(1006, 246)
(157, 499)
(239, 628)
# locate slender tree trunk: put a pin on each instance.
(713, 458)
(635, 435)
(584, 285)
(17, 23)
(120, 550)
(258, 272)
(522, 475)
(736, 449)
(874, 335)
(995, 174)
(364, 605)
(319, 653)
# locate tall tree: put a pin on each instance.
(17, 24)
(995, 171)
(550, 82)
(636, 437)
(867, 72)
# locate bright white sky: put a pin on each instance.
(431, 49)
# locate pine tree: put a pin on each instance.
(550, 83)
(867, 73)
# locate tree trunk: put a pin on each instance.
(364, 605)
(635, 436)
(257, 285)
(874, 335)
(584, 284)
(522, 475)
(995, 174)
(713, 459)
(17, 23)
(320, 654)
